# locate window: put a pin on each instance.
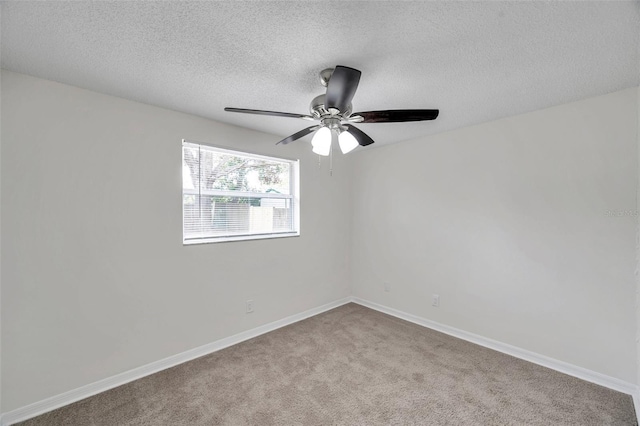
(230, 195)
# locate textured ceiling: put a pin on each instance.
(476, 61)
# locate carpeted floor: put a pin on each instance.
(352, 366)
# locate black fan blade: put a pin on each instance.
(274, 113)
(398, 115)
(362, 138)
(302, 133)
(341, 87)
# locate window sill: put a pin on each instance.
(238, 238)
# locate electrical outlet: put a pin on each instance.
(249, 306)
(387, 287)
(435, 301)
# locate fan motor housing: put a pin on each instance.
(318, 110)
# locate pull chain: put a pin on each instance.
(331, 160)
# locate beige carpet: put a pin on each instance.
(352, 366)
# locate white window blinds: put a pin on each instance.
(230, 195)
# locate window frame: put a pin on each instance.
(293, 196)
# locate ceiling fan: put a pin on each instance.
(334, 112)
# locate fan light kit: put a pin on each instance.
(334, 112)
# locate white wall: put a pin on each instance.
(507, 222)
(637, 271)
(95, 278)
(0, 233)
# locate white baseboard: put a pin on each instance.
(66, 398)
(554, 364)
